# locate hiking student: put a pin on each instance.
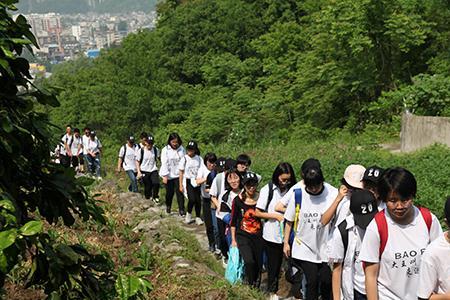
(85, 139)
(189, 165)
(434, 274)
(309, 245)
(147, 169)
(307, 164)
(76, 148)
(219, 182)
(246, 229)
(171, 155)
(340, 208)
(283, 178)
(67, 142)
(396, 239)
(370, 181)
(60, 150)
(233, 186)
(345, 246)
(204, 180)
(94, 150)
(243, 163)
(127, 162)
(142, 139)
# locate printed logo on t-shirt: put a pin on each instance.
(173, 162)
(407, 260)
(311, 219)
(249, 222)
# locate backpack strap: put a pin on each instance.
(226, 196)
(298, 204)
(426, 214)
(344, 235)
(124, 154)
(380, 219)
(269, 198)
(142, 156)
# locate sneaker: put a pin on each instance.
(168, 210)
(198, 221)
(182, 213)
(224, 262)
(217, 252)
(156, 200)
(273, 297)
(188, 219)
(212, 248)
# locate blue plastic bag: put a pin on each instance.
(235, 267)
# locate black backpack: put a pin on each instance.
(125, 151)
(269, 198)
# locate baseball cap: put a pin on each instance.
(310, 163)
(131, 138)
(150, 139)
(249, 177)
(373, 174)
(447, 210)
(363, 206)
(353, 175)
(192, 145)
(220, 163)
(92, 133)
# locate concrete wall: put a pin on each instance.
(419, 132)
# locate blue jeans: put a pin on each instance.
(215, 227)
(133, 187)
(94, 164)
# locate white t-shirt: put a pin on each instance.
(342, 211)
(190, 166)
(77, 142)
(311, 237)
(228, 202)
(398, 276)
(129, 162)
(203, 172)
(285, 199)
(434, 275)
(148, 160)
(352, 269)
(218, 185)
(170, 160)
(85, 139)
(272, 230)
(94, 145)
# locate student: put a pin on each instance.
(85, 139)
(395, 240)
(127, 162)
(243, 163)
(94, 151)
(188, 169)
(370, 181)
(170, 159)
(283, 178)
(340, 208)
(246, 229)
(147, 169)
(309, 245)
(233, 187)
(218, 184)
(76, 148)
(204, 180)
(348, 273)
(434, 274)
(67, 141)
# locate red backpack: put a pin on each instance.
(380, 219)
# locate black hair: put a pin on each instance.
(211, 157)
(397, 180)
(143, 135)
(174, 136)
(313, 177)
(76, 130)
(283, 168)
(243, 159)
(86, 128)
(308, 164)
(68, 125)
(228, 173)
(370, 185)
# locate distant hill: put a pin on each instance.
(84, 6)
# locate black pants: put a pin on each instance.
(318, 276)
(64, 160)
(194, 199)
(74, 160)
(223, 241)
(151, 184)
(207, 217)
(274, 253)
(173, 187)
(358, 296)
(251, 247)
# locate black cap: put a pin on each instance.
(249, 177)
(150, 139)
(310, 163)
(220, 164)
(447, 210)
(363, 206)
(373, 174)
(92, 133)
(192, 145)
(131, 138)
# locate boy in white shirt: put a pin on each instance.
(434, 276)
(127, 162)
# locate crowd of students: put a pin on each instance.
(81, 152)
(364, 240)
